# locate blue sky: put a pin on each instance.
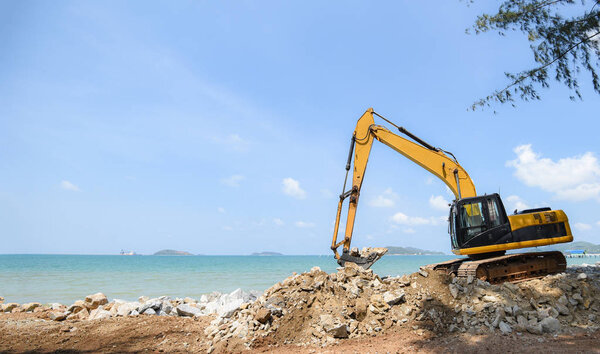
(223, 127)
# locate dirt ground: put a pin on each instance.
(29, 332)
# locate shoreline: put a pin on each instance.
(52, 279)
(64, 279)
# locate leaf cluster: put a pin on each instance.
(562, 45)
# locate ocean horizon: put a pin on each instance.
(49, 278)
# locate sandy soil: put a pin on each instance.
(407, 341)
(30, 332)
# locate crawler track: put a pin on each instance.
(512, 268)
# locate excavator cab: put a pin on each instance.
(478, 221)
(480, 228)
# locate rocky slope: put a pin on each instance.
(316, 308)
(320, 308)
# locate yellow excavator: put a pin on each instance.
(479, 226)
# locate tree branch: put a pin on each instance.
(530, 73)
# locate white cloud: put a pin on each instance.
(403, 219)
(409, 230)
(381, 202)
(292, 188)
(278, 222)
(438, 202)
(227, 228)
(232, 141)
(598, 223)
(581, 192)
(66, 185)
(385, 200)
(515, 202)
(582, 227)
(233, 181)
(304, 224)
(221, 210)
(572, 178)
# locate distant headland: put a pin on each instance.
(172, 253)
(572, 247)
(410, 251)
(266, 254)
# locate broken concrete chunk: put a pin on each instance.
(393, 298)
(30, 306)
(99, 314)
(92, 302)
(550, 325)
(187, 310)
(263, 315)
(453, 290)
(58, 316)
(340, 331)
(504, 328)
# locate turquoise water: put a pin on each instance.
(66, 278)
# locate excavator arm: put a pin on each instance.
(432, 159)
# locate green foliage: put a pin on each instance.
(562, 45)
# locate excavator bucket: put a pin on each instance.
(365, 258)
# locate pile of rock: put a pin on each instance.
(320, 308)
(316, 307)
(97, 306)
(13, 307)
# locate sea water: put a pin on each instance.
(66, 278)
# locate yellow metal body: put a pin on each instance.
(522, 221)
(513, 245)
(443, 167)
(436, 162)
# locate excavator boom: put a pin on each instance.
(432, 159)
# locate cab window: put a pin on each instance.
(451, 226)
(493, 212)
(472, 219)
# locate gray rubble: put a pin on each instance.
(97, 306)
(320, 308)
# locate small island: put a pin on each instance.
(172, 253)
(410, 251)
(266, 254)
(572, 247)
